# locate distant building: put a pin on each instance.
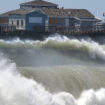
(39, 15)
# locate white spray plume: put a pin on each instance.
(16, 89)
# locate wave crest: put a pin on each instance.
(62, 43)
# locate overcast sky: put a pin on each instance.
(97, 7)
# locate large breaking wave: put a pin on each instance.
(16, 89)
(79, 48)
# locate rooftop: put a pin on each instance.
(16, 12)
(81, 13)
(38, 3)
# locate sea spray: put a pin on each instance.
(16, 89)
(60, 44)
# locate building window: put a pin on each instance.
(22, 23)
(35, 20)
(17, 22)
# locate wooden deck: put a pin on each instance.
(9, 32)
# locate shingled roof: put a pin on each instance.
(5, 14)
(16, 12)
(38, 3)
(81, 13)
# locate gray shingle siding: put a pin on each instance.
(1, 23)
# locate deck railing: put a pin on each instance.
(62, 29)
(75, 29)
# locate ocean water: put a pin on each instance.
(55, 71)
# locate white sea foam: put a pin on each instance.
(93, 49)
(16, 89)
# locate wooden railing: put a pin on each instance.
(75, 29)
(62, 29)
